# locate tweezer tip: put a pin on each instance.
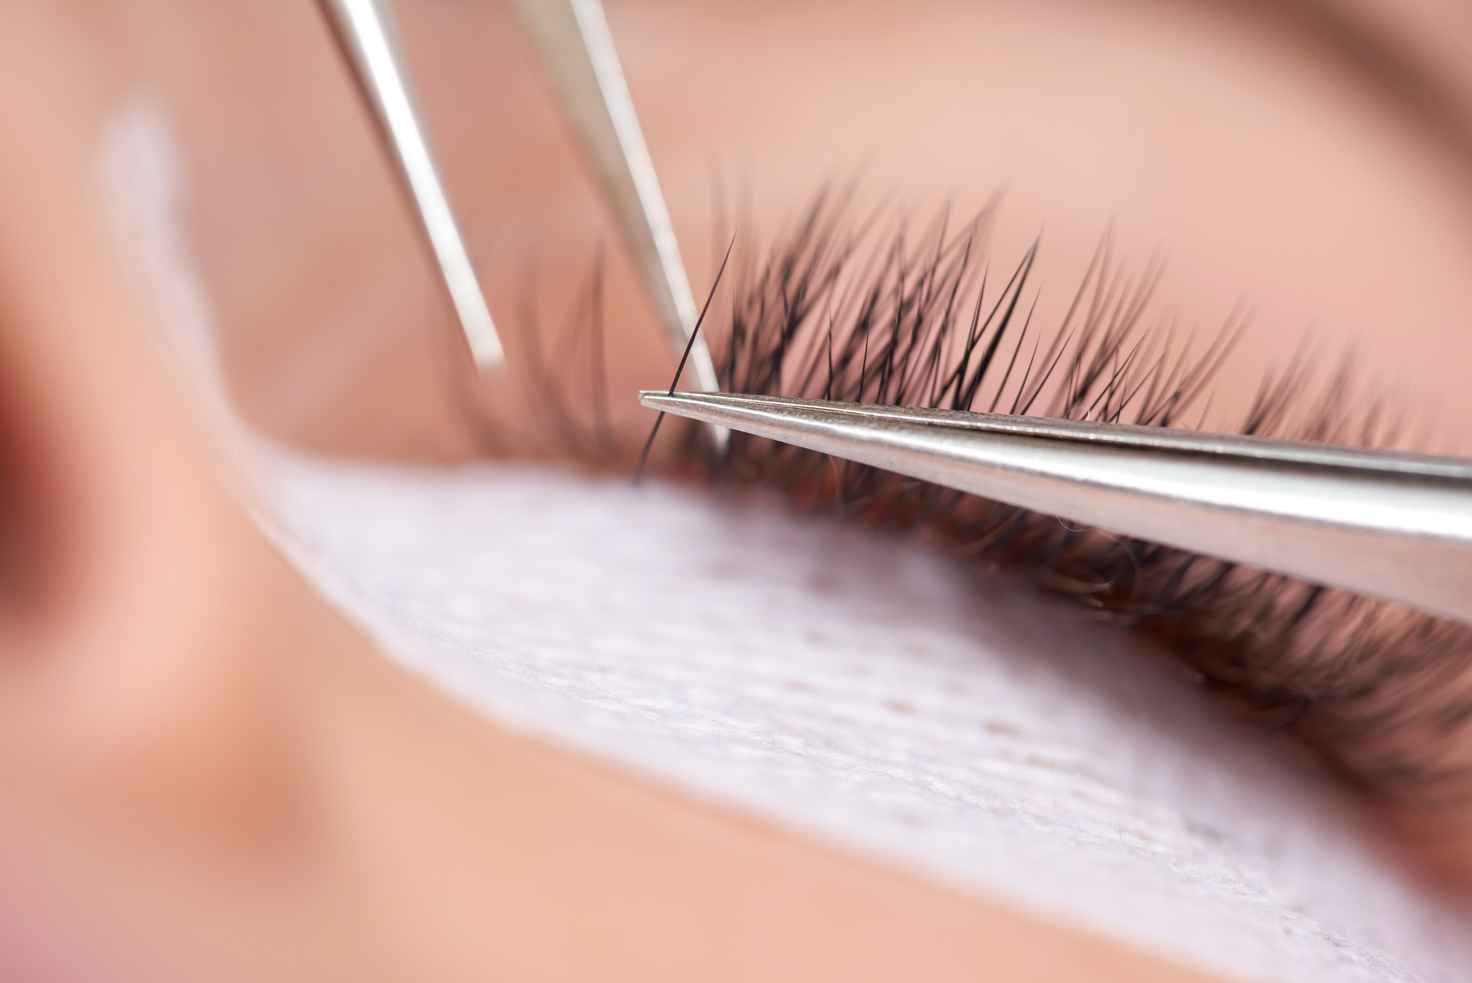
(682, 394)
(661, 399)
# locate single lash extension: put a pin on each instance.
(863, 310)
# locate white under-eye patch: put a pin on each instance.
(867, 692)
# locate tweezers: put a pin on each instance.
(572, 39)
(1385, 524)
(369, 37)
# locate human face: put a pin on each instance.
(1314, 161)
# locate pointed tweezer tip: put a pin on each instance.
(665, 399)
(777, 417)
(661, 399)
(712, 407)
(704, 406)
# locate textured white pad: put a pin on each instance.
(866, 691)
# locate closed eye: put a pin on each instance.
(1306, 166)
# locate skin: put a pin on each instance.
(210, 775)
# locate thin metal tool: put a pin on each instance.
(370, 38)
(1390, 525)
(575, 46)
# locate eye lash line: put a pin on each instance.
(855, 311)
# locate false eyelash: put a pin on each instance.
(863, 311)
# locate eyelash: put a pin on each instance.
(860, 310)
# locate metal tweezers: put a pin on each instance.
(572, 39)
(1388, 525)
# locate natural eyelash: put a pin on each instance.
(859, 311)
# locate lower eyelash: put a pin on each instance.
(853, 310)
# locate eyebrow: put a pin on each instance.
(1388, 65)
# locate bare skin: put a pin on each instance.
(210, 775)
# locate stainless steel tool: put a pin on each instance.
(578, 56)
(1386, 524)
(577, 53)
(370, 38)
